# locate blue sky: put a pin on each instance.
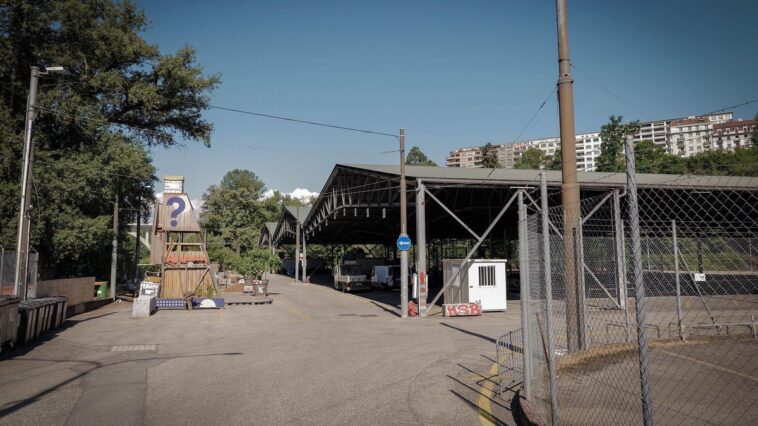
(452, 73)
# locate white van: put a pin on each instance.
(387, 277)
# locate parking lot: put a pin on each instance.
(314, 356)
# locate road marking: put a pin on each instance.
(484, 402)
(716, 367)
(291, 309)
(134, 348)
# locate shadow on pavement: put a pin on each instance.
(17, 405)
(47, 336)
(470, 333)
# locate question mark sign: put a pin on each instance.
(178, 210)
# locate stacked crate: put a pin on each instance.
(40, 315)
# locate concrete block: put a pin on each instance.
(144, 306)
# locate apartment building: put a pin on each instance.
(692, 135)
(659, 131)
(656, 131)
(733, 134)
(465, 157)
(587, 151)
(679, 136)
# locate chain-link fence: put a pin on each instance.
(510, 360)
(650, 317)
(8, 273)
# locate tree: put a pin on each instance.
(649, 157)
(489, 157)
(120, 96)
(611, 158)
(233, 210)
(555, 162)
(754, 135)
(532, 158)
(416, 157)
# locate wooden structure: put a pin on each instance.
(179, 248)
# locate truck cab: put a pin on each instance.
(349, 276)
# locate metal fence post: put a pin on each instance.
(2, 266)
(547, 271)
(619, 237)
(523, 265)
(639, 288)
(678, 285)
(581, 294)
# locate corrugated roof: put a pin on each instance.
(553, 177)
(270, 226)
(299, 213)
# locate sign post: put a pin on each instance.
(404, 243)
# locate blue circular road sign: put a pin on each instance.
(403, 242)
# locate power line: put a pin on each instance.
(295, 120)
(542, 105)
(732, 107)
(612, 93)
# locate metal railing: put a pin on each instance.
(510, 361)
(8, 273)
(657, 321)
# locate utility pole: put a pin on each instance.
(23, 215)
(22, 246)
(403, 231)
(297, 243)
(114, 253)
(569, 187)
(136, 246)
(305, 259)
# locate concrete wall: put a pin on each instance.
(77, 290)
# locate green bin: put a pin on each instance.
(102, 291)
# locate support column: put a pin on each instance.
(547, 271)
(305, 260)
(421, 246)
(581, 304)
(114, 252)
(523, 266)
(297, 247)
(676, 276)
(618, 234)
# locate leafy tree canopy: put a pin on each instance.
(416, 157)
(611, 158)
(233, 210)
(489, 157)
(532, 158)
(120, 95)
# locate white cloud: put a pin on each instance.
(197, 204)
(302, 194)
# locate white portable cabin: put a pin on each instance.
(480, 280)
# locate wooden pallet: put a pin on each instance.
(252, 301)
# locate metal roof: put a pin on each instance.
(603, 179)
(267, 232)
(286, 226)
(299, 213)
(359, 203)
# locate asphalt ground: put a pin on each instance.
(315, 356)
(706, 380)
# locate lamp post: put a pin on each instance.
(24, 221)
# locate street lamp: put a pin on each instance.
(22, 248)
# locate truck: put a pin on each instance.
(353, 274)
(387, 277)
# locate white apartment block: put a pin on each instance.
(692, 135)
(656, 131)
(587, 151)
(680, 136)
(733, 134)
